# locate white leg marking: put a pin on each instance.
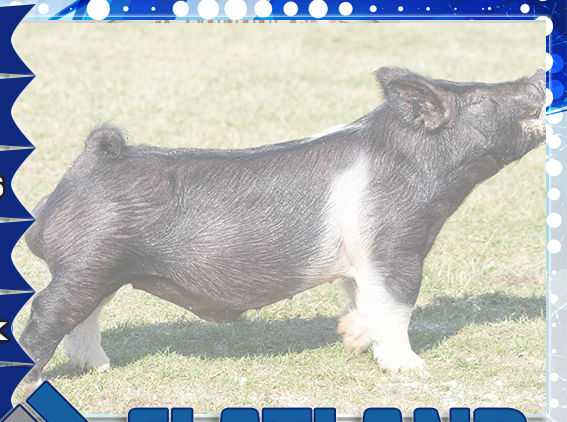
(374, 317)
(82, 345)
(342, 234)
(385, 321)
(350, 288)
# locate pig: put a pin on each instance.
(219, 232)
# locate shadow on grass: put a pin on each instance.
(446, 316)
(251, 337)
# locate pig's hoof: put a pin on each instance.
(85, 358)
(97, 360)
(355, 337)
(27, 387)
(394, 361)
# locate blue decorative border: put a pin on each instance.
(14, 147)
(14, 219)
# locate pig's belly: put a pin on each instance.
(206, 304)
(218, 315)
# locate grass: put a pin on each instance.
(480, 318)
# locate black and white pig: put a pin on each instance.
(219, 232)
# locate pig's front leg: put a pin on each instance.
(376, 317)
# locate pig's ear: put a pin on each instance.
(418, 101)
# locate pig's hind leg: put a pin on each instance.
(82, 345)
(55, 312)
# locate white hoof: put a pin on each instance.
(26, 387)
(394, 360)
(85, 356)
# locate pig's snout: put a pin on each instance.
(537, 80)
(531, 98)
(533, 109)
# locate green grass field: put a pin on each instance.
(480, 318)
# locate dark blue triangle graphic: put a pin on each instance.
(14, 363)
(10, 89)
(11, 305)
(10, 17)
(10, 161)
